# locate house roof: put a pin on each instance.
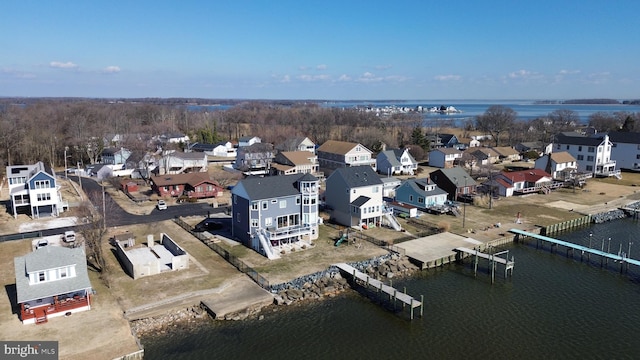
(258, 188)
(529, 175)
(203, 147)
(339, 147)
(505, 151)
(573, 138)
(50, 257)
(488, 152)
(292, 144)
(419, 185)
(456, 175)
(448, 151)
(192, 179)
(298, 157)
(29, 171)
(257, 148)
(188, 156)
(562, 157)
(358, 176)
(624, 137)
(394, 156)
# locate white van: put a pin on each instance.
(69, 236)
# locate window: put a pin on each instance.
(637, 156)
(265, 205)
(580, 148)
(410, 197)
(421, 200)
(268, 221)
(41, 276)
(589, 158)
(274, 201)
(591, 149)
(63, 273)
(42, 184)
(558, 146)
(283, 204)
(589, 168)
(44, 197)
(297, 201)
(567, 147)
(254, 222)
(375, 189)
(580, 157)
(254, 205)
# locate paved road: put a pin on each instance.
(116, 216)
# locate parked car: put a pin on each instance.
(209, 224)
(42, 243)
(69, 236)
(162, 205)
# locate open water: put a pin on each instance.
(554, 307)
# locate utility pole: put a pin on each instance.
(80, 180)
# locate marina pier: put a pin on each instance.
(571, 247)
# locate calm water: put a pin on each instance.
(553, 307)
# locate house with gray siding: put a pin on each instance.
(277, 214)
(396, 162)
(355, 195)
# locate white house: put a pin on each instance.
(33, 189)
(625, 149)
(297, 144)
(592, 154)
(52, 281)
(561, 165)
(510, 183)
(338, 154)
(179, 162)
(444, 157)
(396, 162)
(248, 141)
(355, 195)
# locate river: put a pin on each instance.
(553, 307)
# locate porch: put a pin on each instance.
(63, 305)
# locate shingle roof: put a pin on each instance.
(529, 175)
(505, 151)
(562, 157)
(178, 179)
(625, 137)
(418, 186)
(358, 176)
(456, 175)
(258, 188)
(338, 147)
(50, 257)
(298, 157)
(570, 139)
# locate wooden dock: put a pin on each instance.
(583, 249)
(493, 260)
(378, 285)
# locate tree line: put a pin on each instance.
(49, 129)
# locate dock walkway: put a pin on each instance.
(584, 249)
(379, 285)
(493, 260)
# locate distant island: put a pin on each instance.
(587, 102)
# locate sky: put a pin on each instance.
(332, 50)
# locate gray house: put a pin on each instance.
(355, 195)
(277, 214)
(396, 162)
(421, 193)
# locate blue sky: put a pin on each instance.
(321, 49)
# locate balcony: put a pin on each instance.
(274, 234)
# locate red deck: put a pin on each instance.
(59, 306)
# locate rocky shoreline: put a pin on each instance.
(614, 214)
(318, 286)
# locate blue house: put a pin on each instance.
(33, 190)
(421, 193)
(277, 214)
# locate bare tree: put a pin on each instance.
(496, 120)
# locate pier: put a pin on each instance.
(378, 285)
(493, 260)
(583, 249)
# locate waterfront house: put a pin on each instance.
(52, 281)
(561, 165)
(223, 149)
(456, 182)
(421, 193)
(592, 154)
(295, 162)
(276, 214)
(625, 149)
(299, 143)
(355, 195)
(509, 183)
(396, 162)
(335, 154)
(192, 185)
(255, 159)
(33, 190)
(389, 186)
(444, 157)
